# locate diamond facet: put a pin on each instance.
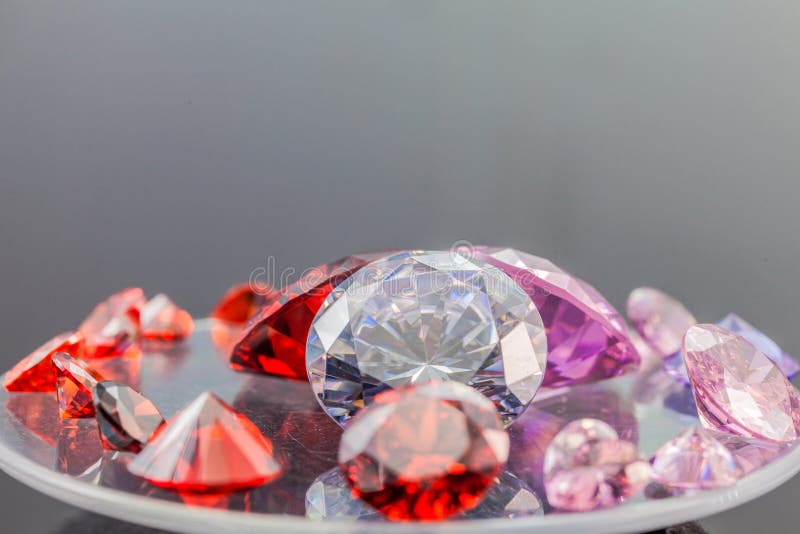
(274, 340)
(507, 498)
(660, 319)
(36, 372)
(737, 388)
(162, 319)
(695, 460)
(587, 340)
(737, 325)
(420, 316)
(240, 303)
(113, 325)
(587, 466)
(74, 384)
(125, 418)
(207, 447)
(424, 452)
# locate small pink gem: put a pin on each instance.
(695, 460)
(587, 340)
(660, 319)
(751, 454)
(587, 466)
(737, 388)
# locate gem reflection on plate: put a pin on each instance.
(66, 460)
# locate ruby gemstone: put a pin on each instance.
(207, 447)
(274, 341)
(74, 385)
(114, 324)
(240, 303)
(424, 452)
(162, 319)
(36, 371)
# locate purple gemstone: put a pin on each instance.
(587, 340)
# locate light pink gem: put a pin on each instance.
(751, 454)
(695, 460)
(587, 466)
(737, 388)
(659, 319)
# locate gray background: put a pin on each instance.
(177, 144)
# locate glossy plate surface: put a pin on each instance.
(64, 459)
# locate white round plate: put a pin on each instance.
(65, 460)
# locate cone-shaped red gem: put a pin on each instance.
(240, 303)
(74, 384)
(36, 372)
(207, 447)
(274, 341)
(424, 452)
(126, 418)
(113, 325)
(162, 319)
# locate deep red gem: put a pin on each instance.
(36, 371)
(113, 325)
(240, 303)
(74, 384)
(274, 341)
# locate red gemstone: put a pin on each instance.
(113, 325)
(163, 320)
(424, 452)
(207, 447)
(274, 341)
(240, 303)
(36, 372)
(74, 384)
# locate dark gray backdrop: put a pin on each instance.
(178, 144)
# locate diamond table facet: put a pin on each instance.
(274, 340)
(125, 418)
(587, 339)
(36, 371)
(420, 316)
(75, 380)
(207, 447)
(424, 452)
(737, 388)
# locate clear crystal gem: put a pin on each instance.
(695, 460)
(126, 418)
(420, 316)
(660, 319)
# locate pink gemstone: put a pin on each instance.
(659, 319)
(695, 460)
(587, 466)
(737, 325)
(751, 454)
(737, 388)
(587, 339)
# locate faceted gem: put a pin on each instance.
(695, 460)
(751, 454)
(75, 381)
(207, 447)
(330, 497)
(737, 325)
(737, 388)
(125, 418)
(587, 340)
(587, 466)
(507, 498)
(113, 325)
(274, 341)
(424, 452)
(240, 303)
(79, 452)
(660, 319)
(162, 319)
(420, 316)
(36, 372)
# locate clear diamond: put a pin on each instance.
(419, 316)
